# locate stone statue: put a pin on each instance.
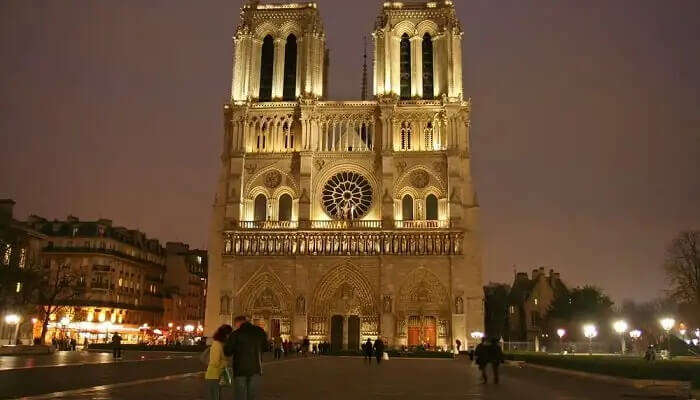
(387, 304)
(301, 305)
(459, 305)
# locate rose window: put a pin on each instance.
(347, 195)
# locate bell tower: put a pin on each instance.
(279, 53)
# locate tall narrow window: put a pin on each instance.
(427, 66)
(405, 136)
(405, 67)
(260, 213)
(289, 91)
(288, 136)
(262, 134)
(266, 63)
(429, 136)
(407, 207)
(285, 208)
(431, 208)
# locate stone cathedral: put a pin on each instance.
(346, 220)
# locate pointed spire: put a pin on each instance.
(364, 73)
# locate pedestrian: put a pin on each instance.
(650, 354)
(495, 357)
(73, 344)
(278, 347)
(116, 346)
(459, 345)
(314, 349)
(85, 344)
(481, 356)
(379, 350)
(217, 362)
(367, 349)
(305, 346)
(246, 345)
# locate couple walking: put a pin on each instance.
(488, 352)
(244, 342)
(377, 349)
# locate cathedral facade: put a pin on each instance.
(343, 220)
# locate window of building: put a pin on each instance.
(262, 135)
(405, 136)
(427, 66)
(290, 69)
(405, 67)
(288, 136)
(429, 133)
(6, 254)
(22, 257)
(431, 207)
(536, 301)
(18, 287)
(266, 65)
(407, 207)
(512, 309)
(260, 211)
(285, 208)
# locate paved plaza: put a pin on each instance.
(179, 377)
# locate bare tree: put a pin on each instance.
(54, 290)
(682, 267)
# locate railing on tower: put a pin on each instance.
(343, 224)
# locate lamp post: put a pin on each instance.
(590, 331)
(561, 332)
(13, 319)
(635, 334)
(667, 324)
(621, 327)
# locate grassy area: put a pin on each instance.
(633, 368)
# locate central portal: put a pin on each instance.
(337, 333)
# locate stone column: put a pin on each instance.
(416, 66)
(253, 73)
(438, 61)
(278, 69)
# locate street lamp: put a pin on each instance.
(561, 332)
(590, 331)
(667, 324)
(621, 327)
(476, 335)
(13, 319)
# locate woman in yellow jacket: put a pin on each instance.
(217, 362)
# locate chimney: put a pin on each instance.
(6, 209)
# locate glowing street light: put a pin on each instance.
(590, 331)
(668, 324)
(635, 334)
(170, 325)
(189, 328)
(621, 327)
(561, 332)
(13, 319)
(476, 335)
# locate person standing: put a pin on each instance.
(217, 362)
(116, 346)
(246, 345)
(73, 344)
(459, 345)
(278, 347)
(379, 350)
(367, 348)
(305, 346)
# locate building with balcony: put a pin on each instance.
(343, 220)
(121, 272)
(185, 285)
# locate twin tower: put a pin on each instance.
(346, 220)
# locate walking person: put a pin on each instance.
(305, 346)
(246, 345)
(367, 348)
(379, 350)
(73, 344)
(116, 346)
(481, 355)
(495, 357)
(217, 362)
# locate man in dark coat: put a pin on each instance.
(495, 357)
(246, 344)
(367, 348)
(379, 349)
(116, 346)
(481, 356)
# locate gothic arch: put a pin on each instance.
(406, 27)
(426, 26)
(264, 29)
(290, 28)
(436, 183)
(255, 185)
(264, 292)
(422, 293)
(344, 290)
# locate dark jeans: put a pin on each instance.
(213, 389)
(379, 357)
(117, 352)
(278, 354)
(494, 368)
(368, 357)
(247, 387)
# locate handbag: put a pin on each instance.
(385, 356)
(226, 378)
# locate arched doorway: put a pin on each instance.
(260, 209)
(337, 333)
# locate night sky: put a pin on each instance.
(585, 139)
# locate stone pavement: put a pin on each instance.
(63, 358)
(348, 378)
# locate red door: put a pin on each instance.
(430, 328)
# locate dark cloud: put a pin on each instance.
(586, 133)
